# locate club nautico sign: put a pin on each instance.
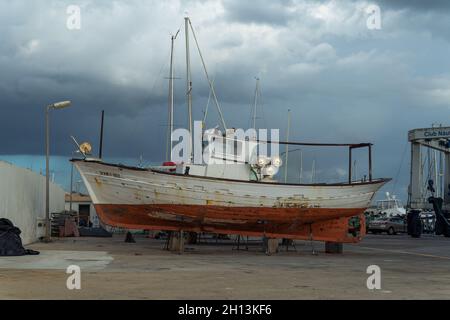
(437, 134)
(430, 133)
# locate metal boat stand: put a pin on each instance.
(129, 238)
(201, 239)
(238, 244)
(311, 241)
(288, 243)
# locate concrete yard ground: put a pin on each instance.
(112, 269)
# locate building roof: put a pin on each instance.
(78, 197)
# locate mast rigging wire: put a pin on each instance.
(400, 168)
(211, 86)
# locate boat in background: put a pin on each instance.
(390, 207)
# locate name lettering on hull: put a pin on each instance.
(108, 174)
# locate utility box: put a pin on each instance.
(40, 228)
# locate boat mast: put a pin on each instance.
(255, 103)
(171, 100)
(188, 82)
(211, 85)
(301, 165)
(313, 171)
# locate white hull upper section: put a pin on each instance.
(111, 184)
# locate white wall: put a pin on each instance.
(22, 199)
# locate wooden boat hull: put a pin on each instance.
(134, 198)
(333, 224)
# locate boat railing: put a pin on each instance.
(350, 146)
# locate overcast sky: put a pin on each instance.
(342, 81)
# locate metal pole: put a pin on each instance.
(301, 165)
(71, 187)
(47, 176)
(350, 165)
(100, 153)
(171, 102)
(370, 163)
(287, 146)
(188, 81)
(256, 103)
(58, 105)
(416, 177)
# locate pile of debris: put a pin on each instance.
(10, 241)
(64, 224)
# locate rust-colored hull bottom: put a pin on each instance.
(292, 223)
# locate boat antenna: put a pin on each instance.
(211, 85)
(76, 142)
(188, 82)
(171, 100)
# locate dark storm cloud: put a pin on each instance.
(41, 62)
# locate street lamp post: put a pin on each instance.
(71, 187)
(58, 105)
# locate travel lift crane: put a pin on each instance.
(436, 139)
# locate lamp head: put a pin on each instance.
(61, 105)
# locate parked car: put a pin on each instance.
(372, 216)
(389, 225)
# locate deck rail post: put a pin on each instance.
(350, 149)
(370, 162)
